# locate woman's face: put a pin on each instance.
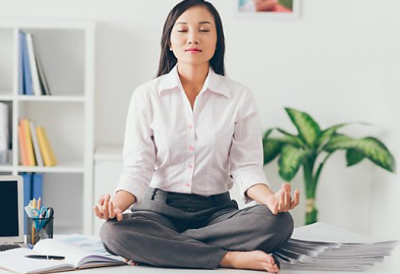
(194, 36)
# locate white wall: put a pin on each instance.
(339, 62)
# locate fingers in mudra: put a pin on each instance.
(286, 202)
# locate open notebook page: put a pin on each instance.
(15, 261)
(73, 254)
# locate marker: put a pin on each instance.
(45, 257)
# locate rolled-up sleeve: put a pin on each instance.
(246, 154)
(139, 149)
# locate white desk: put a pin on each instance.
(152, 270)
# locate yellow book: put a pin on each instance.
(28, 142)
(45, 147)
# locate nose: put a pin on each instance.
(192, 38)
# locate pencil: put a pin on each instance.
(33, 233)
(38, 203)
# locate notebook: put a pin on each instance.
(75, 258)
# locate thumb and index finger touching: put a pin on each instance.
(105, 209)
(286, 187)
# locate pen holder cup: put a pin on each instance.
(39, 228)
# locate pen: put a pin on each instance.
(45, 257)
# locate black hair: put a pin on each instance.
(167, 57)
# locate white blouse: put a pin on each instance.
(201, 151)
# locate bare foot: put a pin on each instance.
(256, 260)
(130, 262)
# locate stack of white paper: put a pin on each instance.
(324, 247)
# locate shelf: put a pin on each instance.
(4, 168)
(66, 49)
(63, 167)
(6, 97)
(54, 23)
(52, 98)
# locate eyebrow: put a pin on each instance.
(200, 23)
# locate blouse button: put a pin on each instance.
(190, 165)
(191, 148)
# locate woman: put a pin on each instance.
(191, 132)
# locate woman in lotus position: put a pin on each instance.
(190, 134)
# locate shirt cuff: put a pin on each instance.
(248, 179)
(133, 188)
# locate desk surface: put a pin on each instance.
(378, 269)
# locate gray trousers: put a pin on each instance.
(190, 231)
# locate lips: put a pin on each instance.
(193, 50)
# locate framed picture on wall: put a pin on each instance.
(269, 8)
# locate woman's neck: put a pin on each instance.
(193, 77)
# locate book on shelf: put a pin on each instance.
(22, 147)
(37, 186)
(87, 255)
(21, 38)
(323, 247)
(27, 76)
(45, 147)
(42, 76)
(32, 78)
(38, 154)
(33, 188)
(34, 145)
(27, 194)
(28, 142)
(37, 90)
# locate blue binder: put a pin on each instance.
(27, 76)
(27, 177)
(21, 65)
(37, 186)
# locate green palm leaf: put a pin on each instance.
(272, 147)
(295, 140)
(309, 130)
(328, 133)
(290, 161)
(371, 147)
(267, 133)
(354, 156)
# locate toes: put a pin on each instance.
(271, 268)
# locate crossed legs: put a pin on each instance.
(237, 238)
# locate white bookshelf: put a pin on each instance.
(67, 52)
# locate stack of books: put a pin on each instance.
(34, 146)
(32, 79)
(323, 247)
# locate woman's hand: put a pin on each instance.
(106, 210)
(282, 201)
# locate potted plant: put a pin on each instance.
(312, 147)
